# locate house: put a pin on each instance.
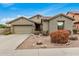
(74, 15)
(41, 23)
(76, 24)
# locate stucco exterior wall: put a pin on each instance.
(36, 19)
(68, 24)
(45, 26)
(22, 22)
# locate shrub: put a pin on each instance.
(75, 31)
(60, 36)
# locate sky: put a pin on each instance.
(10, 11)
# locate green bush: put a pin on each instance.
(75, 31)
(2, 26)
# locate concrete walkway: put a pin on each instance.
(9, 43)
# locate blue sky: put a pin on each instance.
(9, 11)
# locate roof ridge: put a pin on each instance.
(18, 19)
(59, 15)
(36, 15)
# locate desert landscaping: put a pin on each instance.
(39, 41)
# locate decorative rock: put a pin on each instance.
(73, 37)
(34, 44)
(43, 46)
(67, 43)
(39, 43)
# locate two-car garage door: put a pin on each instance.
(23, 29)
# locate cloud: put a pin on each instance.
(7, 4)
(7, 19)
(51, 8)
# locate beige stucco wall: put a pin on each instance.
(45, 26)
(68, 25)
(22, 22)
(35, 19)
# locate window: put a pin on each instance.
(60, 25)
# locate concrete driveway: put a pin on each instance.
(9, 43)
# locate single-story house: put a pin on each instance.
(41, 23)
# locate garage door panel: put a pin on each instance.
(22, 29)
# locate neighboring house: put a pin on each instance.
(74, 15)
(76, 25)
(41, 24)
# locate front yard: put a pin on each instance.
(45, 42)
(9, 43)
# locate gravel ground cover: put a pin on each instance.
(32, 41)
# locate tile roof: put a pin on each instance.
(49, 18)
(22, 17)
